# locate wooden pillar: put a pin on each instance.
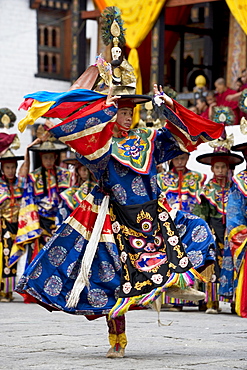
(78, 62)
(237, 52)
(181, 62)
(157, 51)
(208, 45)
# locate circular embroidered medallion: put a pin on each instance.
(69, 127)
(227, 263)
(109, 112)
(191, 217)
(199, 234)
(181, 228)
(116, 293)
(34, 294)
(119, 193)
(36, 272)
(23, 280)
(57, 255)
(138, 186)
(73, 269)
(195, 257)
(106, 272)
(120, 169)
(97, 298)
(153, 183)
(66, 231)
(53, 285)
(50, 242)
(223, 280)
(79, 243)
(92, 121)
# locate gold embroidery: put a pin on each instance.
(121, 246)
(128, 231)
(155, 269)
(143, 216)
(112, 215)
(179, 253)
(171, 265)
(139, 285)
(168, 228)
(126, 277)
(100, 152)
(134, 257)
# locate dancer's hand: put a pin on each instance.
(112, 100)
(49, 124)
(159, 94)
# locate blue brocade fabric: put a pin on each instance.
(196, 237)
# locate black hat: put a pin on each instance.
(48, 146)
(133, 99)
(232, 159)
(71, 159)
(221, 153)
(239, 147)
(9, 156)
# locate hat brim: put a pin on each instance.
(135, 99)
(58, 148)
(73, 161)
(17, 158)
(239, 147)
(232, 158)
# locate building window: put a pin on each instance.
(54, 44)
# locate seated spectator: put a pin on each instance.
(211, 101)
(202, 107)
(222, 91)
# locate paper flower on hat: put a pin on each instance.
(224, 115)
(105, 70)
(243, 101)
(221, 145)
(243, 126)
(7, 118)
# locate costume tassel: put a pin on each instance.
(181, 280)
(82, 278)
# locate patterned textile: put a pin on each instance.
(197, 239)
(234, 274)
(148, 254)
(38, 211)
(181, 196)
(51, 276)
(71, 198)
(56, 183)
(10, 199)
(216, 196)
(57, 265)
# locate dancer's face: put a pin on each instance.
(220, 169)
(83, 173)
(180, 161)
(9, 170)
(124, 117)
(48, 160)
